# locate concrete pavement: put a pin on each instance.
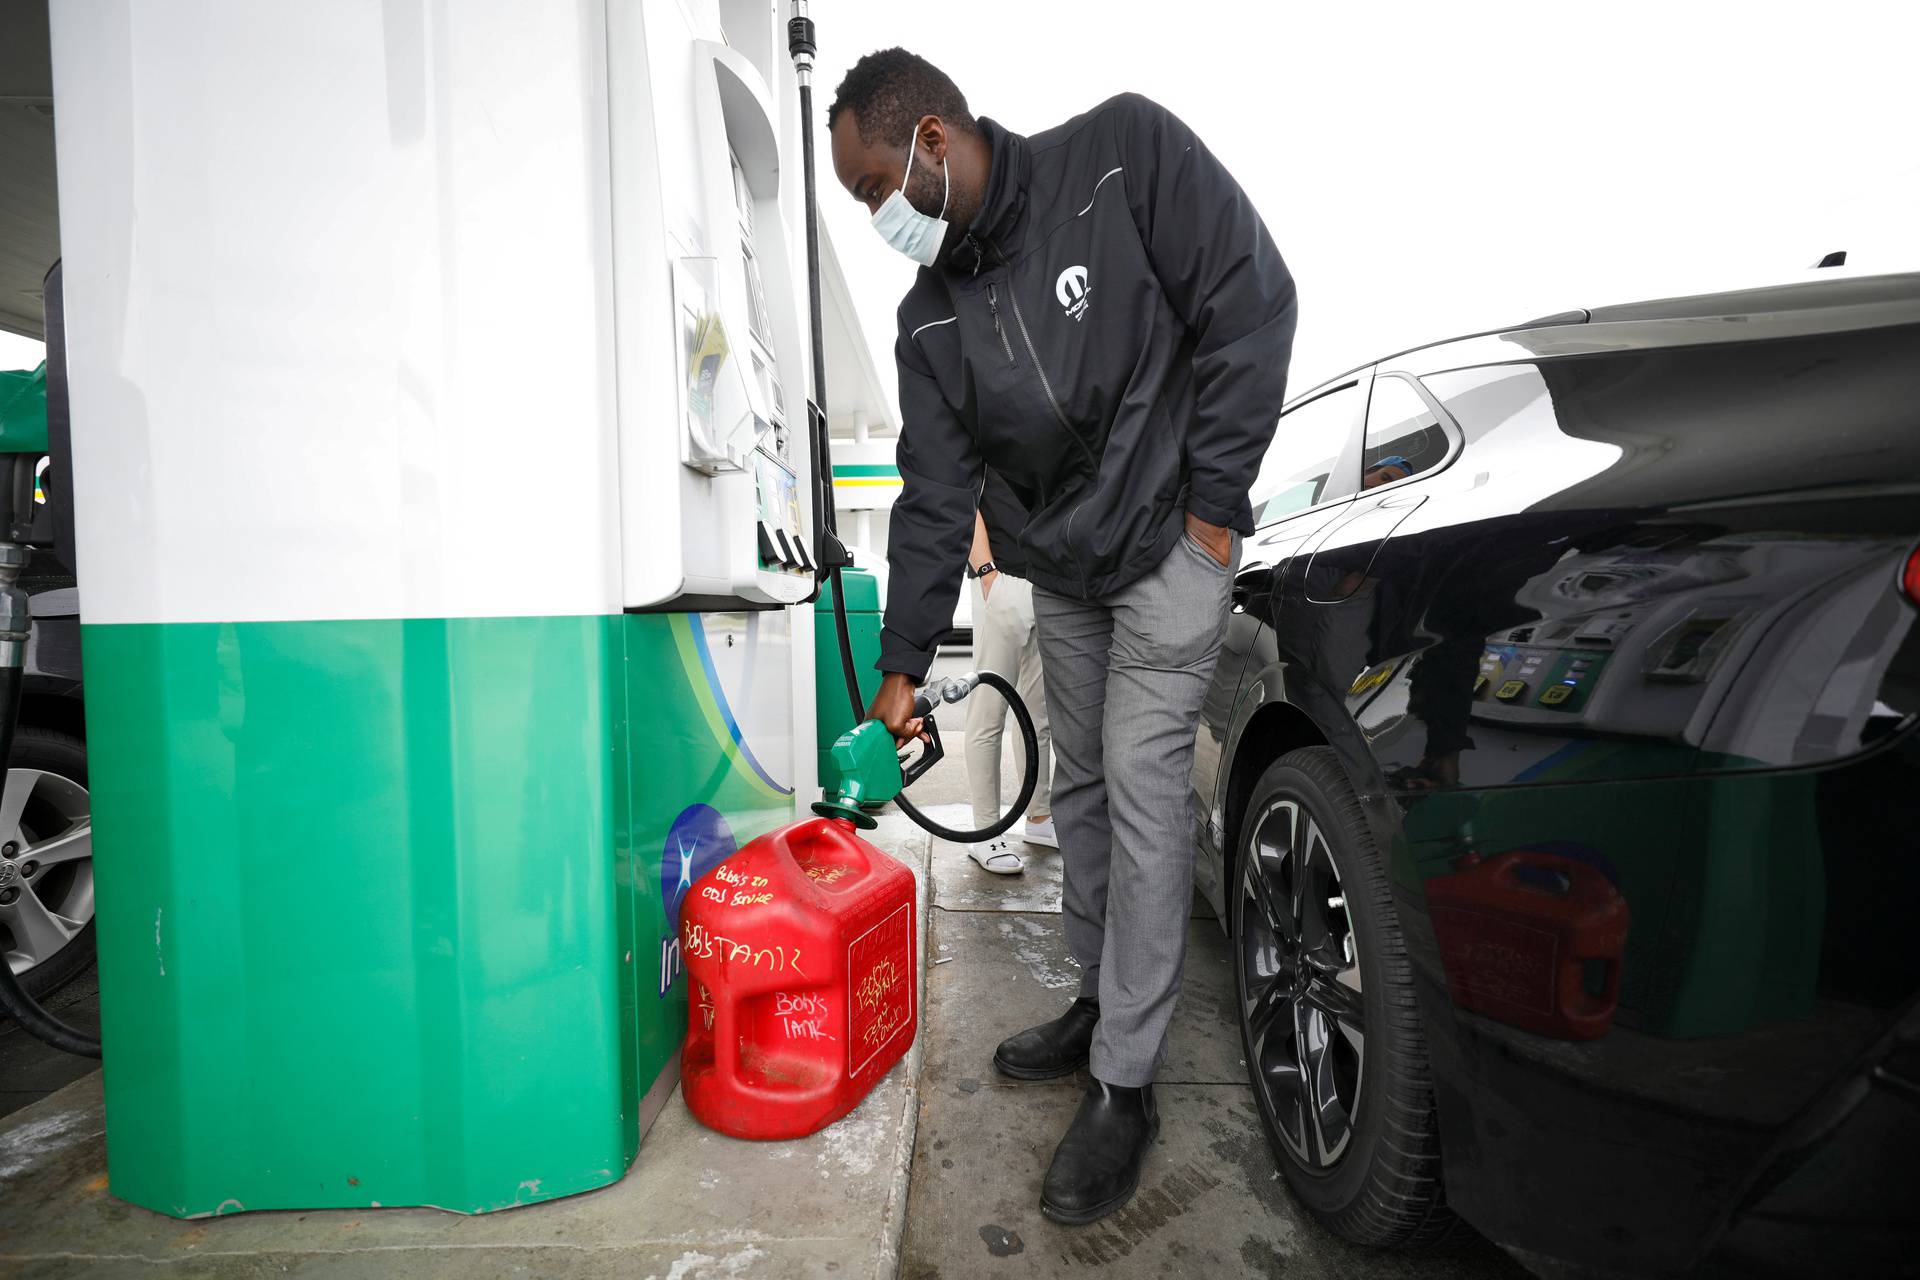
(1211, 1200)
(30, 1070)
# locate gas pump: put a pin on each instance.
(439, 461)
(442, 484)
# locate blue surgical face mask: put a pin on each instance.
(912, 232)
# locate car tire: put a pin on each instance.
(1334, 1046)
(58, 758)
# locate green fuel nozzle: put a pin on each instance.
(868, 761)
(869, 773)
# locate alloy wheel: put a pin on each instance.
(1300, 987)
(46, 866)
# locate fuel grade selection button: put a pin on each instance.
(1511, 690)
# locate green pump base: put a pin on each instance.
(386, 906)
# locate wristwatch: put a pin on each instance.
(982, 571)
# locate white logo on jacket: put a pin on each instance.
(1071, 288)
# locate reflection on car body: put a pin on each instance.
(1603, 621)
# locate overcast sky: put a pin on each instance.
(1432, 169)
(17, 352)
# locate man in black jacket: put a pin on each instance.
(1103, 319)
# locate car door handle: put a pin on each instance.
(1252, 579)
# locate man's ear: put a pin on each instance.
(932, 132)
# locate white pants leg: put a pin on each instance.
(1005, 642)
(1032, 685)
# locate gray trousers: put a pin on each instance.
(1005, 644)
(1125, 679)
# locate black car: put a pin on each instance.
(1559, 787)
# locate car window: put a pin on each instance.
(1404, 436)
(1298, 469)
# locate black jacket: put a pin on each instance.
(1111, 336)
(1006, 518)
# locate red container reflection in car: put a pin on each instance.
(802, 950)
(1532, 939)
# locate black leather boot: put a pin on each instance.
(1096, 1168)
(1057, 1048)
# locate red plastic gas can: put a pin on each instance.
(803, 953)
(1533, 940)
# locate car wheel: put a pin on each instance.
(46, 860)
(1333, 1040)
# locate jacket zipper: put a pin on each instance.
(993, 305)
(1093, 464)
(1068, 536)
(1045, 386)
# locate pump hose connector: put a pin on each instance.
(800, 38)
(800, 46)
(951, 689)
(959, 687)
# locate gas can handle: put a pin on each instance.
(726, 1059)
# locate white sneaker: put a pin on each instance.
(1040, 833)
(998, 857)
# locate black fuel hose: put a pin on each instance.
(38, 1022)
(1029, 780)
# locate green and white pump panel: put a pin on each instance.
(438, 378)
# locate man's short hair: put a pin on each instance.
(890, 90)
